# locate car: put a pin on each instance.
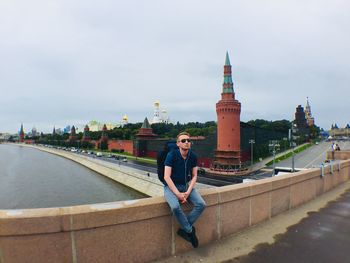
(124, 159)
(99, 154)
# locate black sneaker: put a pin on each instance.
(193, 238)
(182, 233)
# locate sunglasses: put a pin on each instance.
(185, 140)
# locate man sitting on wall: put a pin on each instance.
(180, 175)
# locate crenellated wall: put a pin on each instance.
(144, 230)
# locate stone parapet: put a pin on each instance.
(338, 155)
(144, 230)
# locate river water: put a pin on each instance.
(30, 178)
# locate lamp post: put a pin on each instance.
(251, 141)
(273, 145)
(291, 132)
(285, 139)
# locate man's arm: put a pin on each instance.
(193, 181)
(170, 183)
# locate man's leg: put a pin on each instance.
(177, 210)
(199, 205)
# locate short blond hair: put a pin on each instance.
(182, 133)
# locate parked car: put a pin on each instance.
(99, 154)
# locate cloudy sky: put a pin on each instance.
(65, 62)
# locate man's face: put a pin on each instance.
(184, 142)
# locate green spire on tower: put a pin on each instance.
(145, 124)
(228, 83)
(227, 60)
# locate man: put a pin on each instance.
(180, 175)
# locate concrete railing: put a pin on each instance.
(144, 230)
(338, 155)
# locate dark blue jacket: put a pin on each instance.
(181, 169)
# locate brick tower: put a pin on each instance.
(146, 131)
(21, 134)
(104, 136)
(103, 142)
(308, 115)
(228, 110)
(144, 135)
(73, 135)
(86, 134)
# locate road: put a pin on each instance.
(150, 168)
(313, 156)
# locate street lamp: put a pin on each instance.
(274, 146)
(251, 141)
(292, 131)
(285, 139)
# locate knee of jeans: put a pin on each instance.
(202, 205)
(174, 208)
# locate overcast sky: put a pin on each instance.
(65, 62)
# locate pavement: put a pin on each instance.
(318, 231)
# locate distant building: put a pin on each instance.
(73, 135)
(124, 121)
(5, 136)
(21, 134)
(339, 133)
(159, 116)
(95, 126)
(33, 133)
(98, 126)
(66, 129)
(59, 131)
(86, 134)
(103, 142)
(300, 118)
(308, 115)
(144, 135)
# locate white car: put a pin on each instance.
(99, 154)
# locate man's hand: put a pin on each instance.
(182, 197)
(187, 193)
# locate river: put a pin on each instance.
(30, 178)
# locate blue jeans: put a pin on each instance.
(185, 221)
